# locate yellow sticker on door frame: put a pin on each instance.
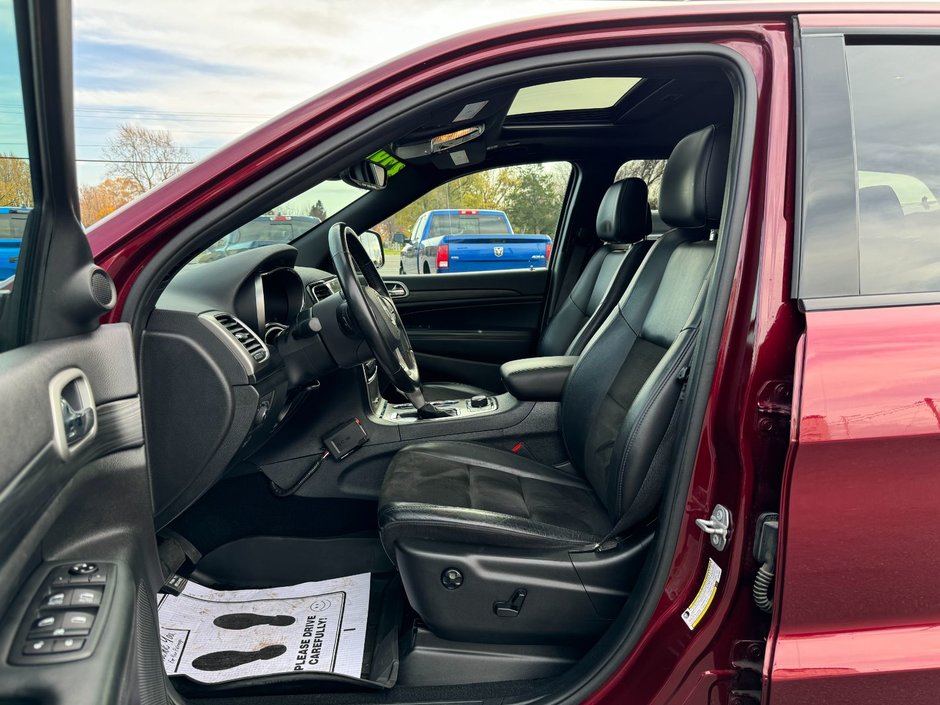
(703, 599)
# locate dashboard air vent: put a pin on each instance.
(322, 289)
(248, 340)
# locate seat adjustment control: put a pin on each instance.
(451, 578)
(512, 606)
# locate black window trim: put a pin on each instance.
(846, 35)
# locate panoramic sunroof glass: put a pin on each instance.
(577, 94)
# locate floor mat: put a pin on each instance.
(219, 636)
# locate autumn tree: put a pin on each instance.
(15, 185)
(144, 157)
(102, 199)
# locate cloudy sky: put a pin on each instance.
(209, 70)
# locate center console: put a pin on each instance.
(455, 408)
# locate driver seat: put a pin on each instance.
(499, 548)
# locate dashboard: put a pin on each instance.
(216, 339)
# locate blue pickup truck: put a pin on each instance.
(12, 225)
(469, 240)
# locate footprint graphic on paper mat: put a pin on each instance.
(246, 620)
(223, 660)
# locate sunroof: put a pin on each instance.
(577, 94)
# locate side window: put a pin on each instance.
(651, 171)
(494, 220)
(895, 109)
(16, 188)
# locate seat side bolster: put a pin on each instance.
(433, 522)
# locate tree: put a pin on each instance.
(533, 202)
(318, 210)
(103, 199)
(15, 185)
(146, 158)
(650, 170)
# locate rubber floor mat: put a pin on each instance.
(218, 636)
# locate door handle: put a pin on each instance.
(74, 421)
(396, 290)
(77, 422)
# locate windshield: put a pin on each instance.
(286, 222)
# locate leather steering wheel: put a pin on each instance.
(374, 312)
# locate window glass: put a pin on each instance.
(577, 94)
(895, 107)
(16, 189)
(286, 222)
(493, 220)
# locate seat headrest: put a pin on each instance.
(624, 213)
(693, 185)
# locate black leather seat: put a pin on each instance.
(507, 523)
(623, 222)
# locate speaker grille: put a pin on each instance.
(101, 288)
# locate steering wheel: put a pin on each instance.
(374, 313)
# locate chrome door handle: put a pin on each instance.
(73, 409)
(77, 423)
(396, 290)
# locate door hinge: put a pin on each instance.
(718, 526)
(774, 403)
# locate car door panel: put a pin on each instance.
(74, 483)
(91, 506)
(463, 326)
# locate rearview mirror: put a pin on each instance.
(372, 242)
(367, 175)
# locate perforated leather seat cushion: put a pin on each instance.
(475, 494)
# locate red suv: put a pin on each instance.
(684, 467)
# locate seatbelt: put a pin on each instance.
(663, 456)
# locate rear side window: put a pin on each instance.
(468, 223)
(895, 103)
(12, 223)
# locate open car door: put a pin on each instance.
(77, 555)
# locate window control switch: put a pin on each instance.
(45, 626)
(86, 597)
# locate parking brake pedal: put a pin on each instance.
(513, 606)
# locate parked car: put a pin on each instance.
(693, 469)
(12, 224)
(470, 240)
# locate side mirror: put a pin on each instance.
(367, 175)
(372, 241)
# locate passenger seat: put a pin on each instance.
(623, 222)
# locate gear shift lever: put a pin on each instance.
(425, 409)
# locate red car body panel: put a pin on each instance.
(843, 521)
(859, 615)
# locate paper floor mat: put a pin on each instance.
(216, 636)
